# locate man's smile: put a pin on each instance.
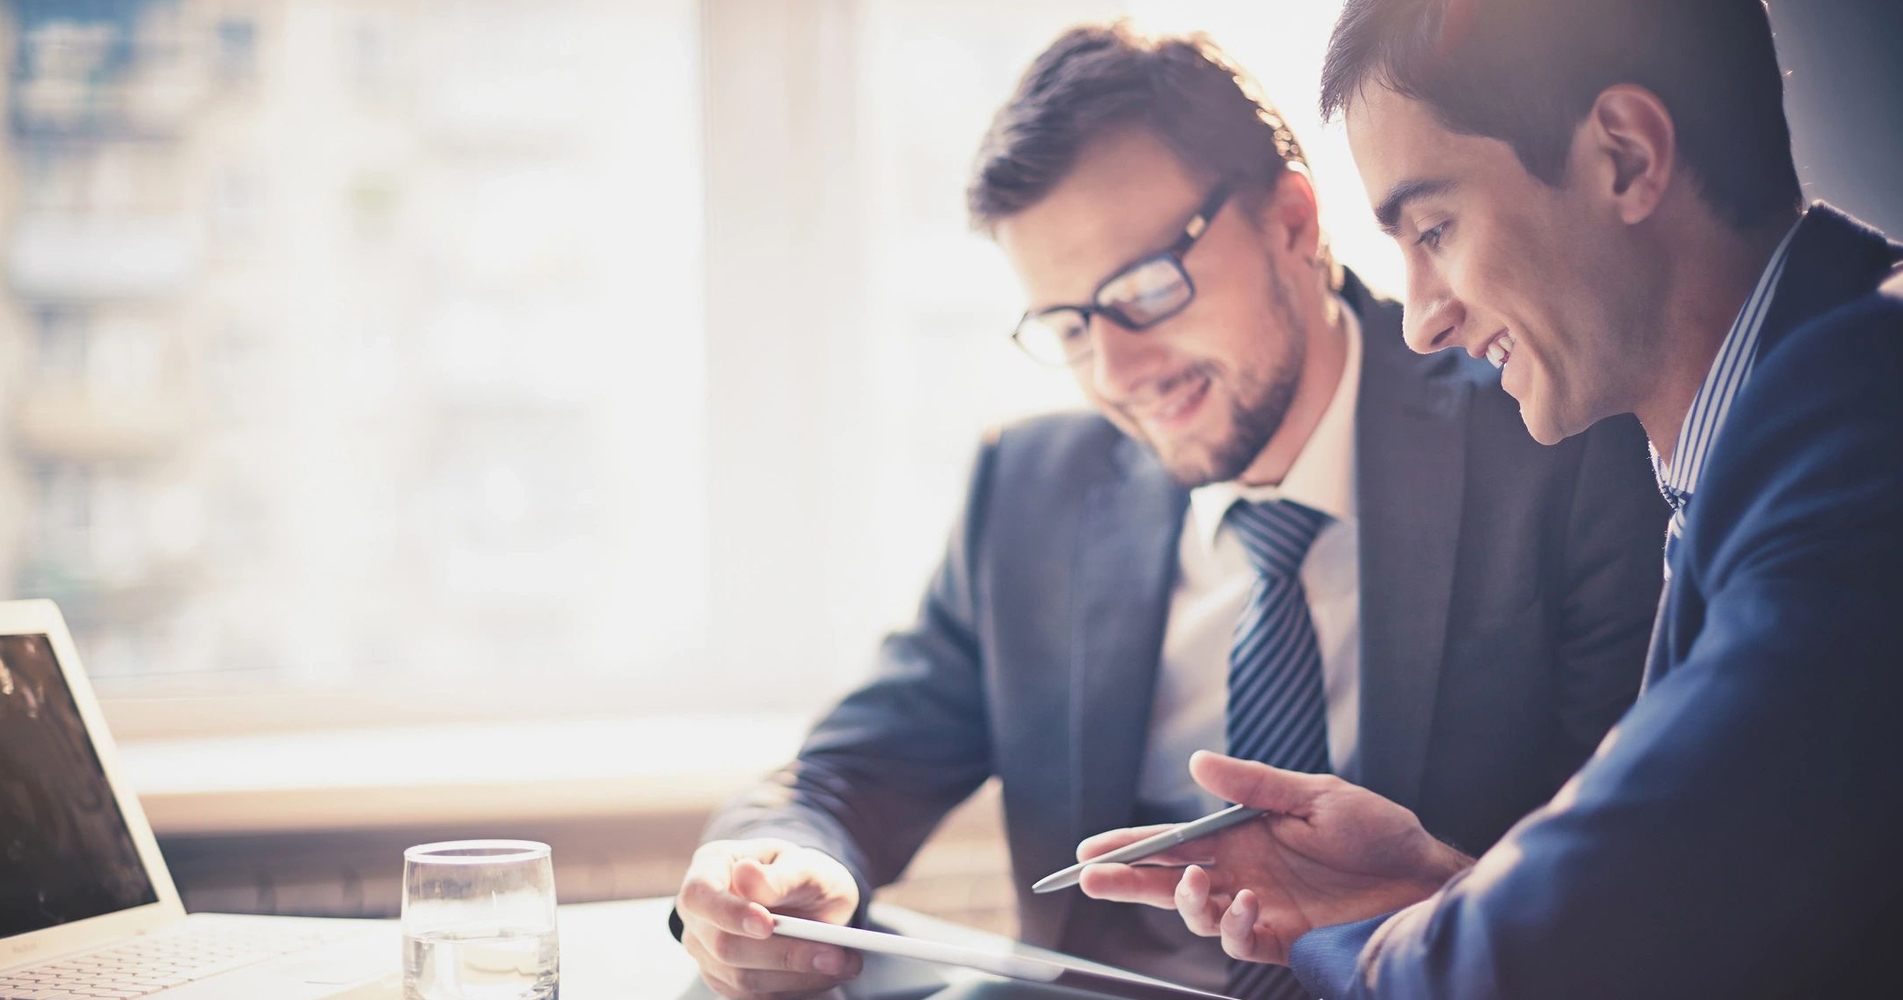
(1499, 349)
(1174, 401)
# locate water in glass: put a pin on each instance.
(480, 963)
(479, 922)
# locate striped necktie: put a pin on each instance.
(1679, 500)
(1277, 712)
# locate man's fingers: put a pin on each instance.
(789, 885)
(763, 982)
(1196, 852)
(1126, 884)
(1254, 784)
(777, 954)
(1110, 840)
(1243, 938)
(715, 975)
(708, 897)
(768, 885)
(809, 884)
(1194, 900)
(782, 984)
(740, 966)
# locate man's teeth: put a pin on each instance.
(1499, 350)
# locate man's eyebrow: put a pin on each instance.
(1388, 213)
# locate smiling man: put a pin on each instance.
(1599, 197)
(1253, 544)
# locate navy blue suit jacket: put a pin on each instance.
(1740, 831)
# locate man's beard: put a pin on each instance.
(1258, 407)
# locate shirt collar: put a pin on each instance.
(1322, 476)
(1730, 370)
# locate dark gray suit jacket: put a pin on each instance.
(1035, 653)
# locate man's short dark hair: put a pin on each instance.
(1528, 71)
(1100, 78)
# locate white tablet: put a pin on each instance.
(1096, 979)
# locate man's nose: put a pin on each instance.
(1433, 317)
(1121, 359)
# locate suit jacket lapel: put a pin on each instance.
(1125, 568)
(1410, 461)
(1834, 259)
(1658, 654)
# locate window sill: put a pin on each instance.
(491, 772)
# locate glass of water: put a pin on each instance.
(479, 921)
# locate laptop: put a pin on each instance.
(87, 907)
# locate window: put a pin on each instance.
(237, 48)
(396, 345)
(485, 357)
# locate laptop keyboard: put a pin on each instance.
(161, 961)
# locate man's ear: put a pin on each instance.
(1627, 150)
(1289, 214)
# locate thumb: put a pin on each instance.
(767, 885)
(794, 885)
(1253, 784)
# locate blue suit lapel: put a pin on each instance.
(1834, 259)
(1659, 654)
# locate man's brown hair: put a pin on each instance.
(1099, 78)
(1528, 71)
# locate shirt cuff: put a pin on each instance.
(1325, 959)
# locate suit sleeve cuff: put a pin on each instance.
(1325, 959)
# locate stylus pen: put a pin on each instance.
(1179, 834)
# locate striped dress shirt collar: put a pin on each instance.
(1678, 480)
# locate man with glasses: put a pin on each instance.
(1253, 545)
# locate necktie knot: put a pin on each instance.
(1277, 534)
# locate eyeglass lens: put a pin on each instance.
(1147, 293)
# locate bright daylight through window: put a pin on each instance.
(623, 355)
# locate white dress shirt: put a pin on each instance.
(1213, 580)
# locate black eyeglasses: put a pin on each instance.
(1141, 295)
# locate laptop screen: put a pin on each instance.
(65, 852)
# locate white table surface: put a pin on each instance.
(623, 951)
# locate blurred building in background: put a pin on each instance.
(332, 329)
(469, 357)
(499, 357)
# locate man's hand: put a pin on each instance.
(726, 902)
(1328, 853)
